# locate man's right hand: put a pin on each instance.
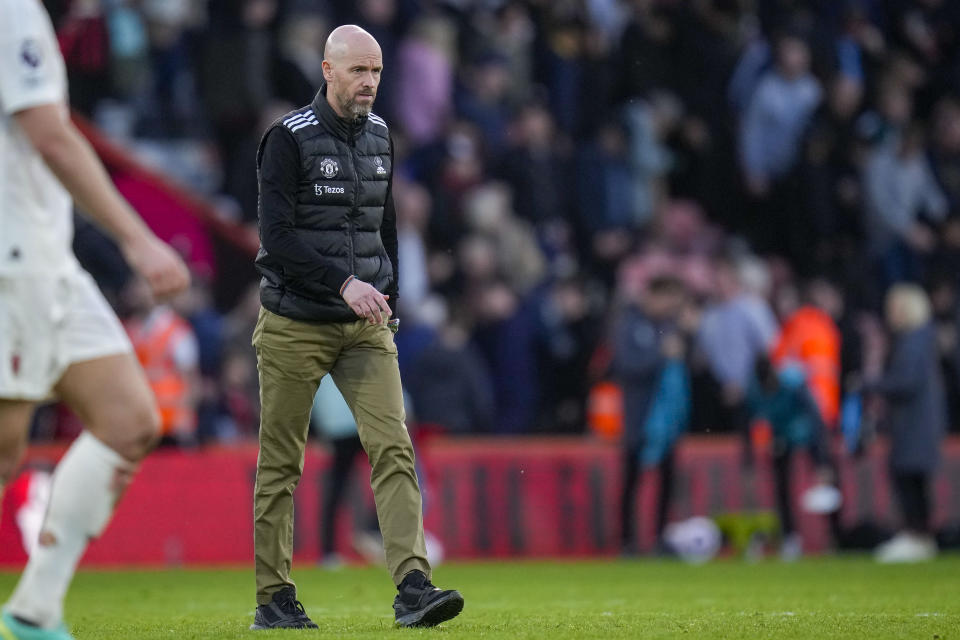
(159, 264)
(366, 301)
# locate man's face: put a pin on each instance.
(793, 57)
(353, 77)
(663, 305)
(893, 311)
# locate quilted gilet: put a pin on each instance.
(342, 190)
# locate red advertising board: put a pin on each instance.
(483, 498)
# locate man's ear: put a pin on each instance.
(327, 71)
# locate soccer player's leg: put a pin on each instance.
(23, 356)
(368, 375)
(12, 628)
(14, 422)
(111, 396)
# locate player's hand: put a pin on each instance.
(366, 301)
(161, 266)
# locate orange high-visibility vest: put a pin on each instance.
(811, 338)
(153, 343)
(605, 410)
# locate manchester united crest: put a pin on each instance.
(329, 168)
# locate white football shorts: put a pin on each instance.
(47, 323)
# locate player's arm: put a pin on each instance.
(74, 163)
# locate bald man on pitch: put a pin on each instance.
(328, 293)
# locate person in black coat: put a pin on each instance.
(916, 418)
(645, 338)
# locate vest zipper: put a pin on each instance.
(354, 209)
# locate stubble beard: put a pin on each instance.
(354, 110)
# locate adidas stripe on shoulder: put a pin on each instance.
(375, 119)
(301, 120)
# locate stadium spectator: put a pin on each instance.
(196, 307)
(901, 199)
(385, 20)
(172, 104)
(84, 41)
(129, 50)
(484, 99)
(779, 110)
(736, 328)
(831, 176)
(648, 352)
(569, 332)
(771, 134)
(519, 261)
(945, 308)
(167, 348)
(505, 335)
(912, 386)
(331, 416)
(810, 339)
(413, 217)
(511, 33)
(234, 69)
(646, 61)
(452, 168)
(233, 414)
(450, 385)
(298, 69)
(534, 168)
(780, 395)
(891, 113)
(928, 28)
(945, 151)
(604, 183)
(648, 124)
(425, 62)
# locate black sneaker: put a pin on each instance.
(285, 612)
(420, 604)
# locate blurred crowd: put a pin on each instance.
(587, 190)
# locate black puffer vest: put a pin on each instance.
(344, 175)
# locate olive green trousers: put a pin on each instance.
(292, 357)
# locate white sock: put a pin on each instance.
(86, 485)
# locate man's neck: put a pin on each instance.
(335, 106)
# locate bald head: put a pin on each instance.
(351, 67)
(347, 39)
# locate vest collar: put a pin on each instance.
(348, 130)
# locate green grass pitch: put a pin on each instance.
(845, 597)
